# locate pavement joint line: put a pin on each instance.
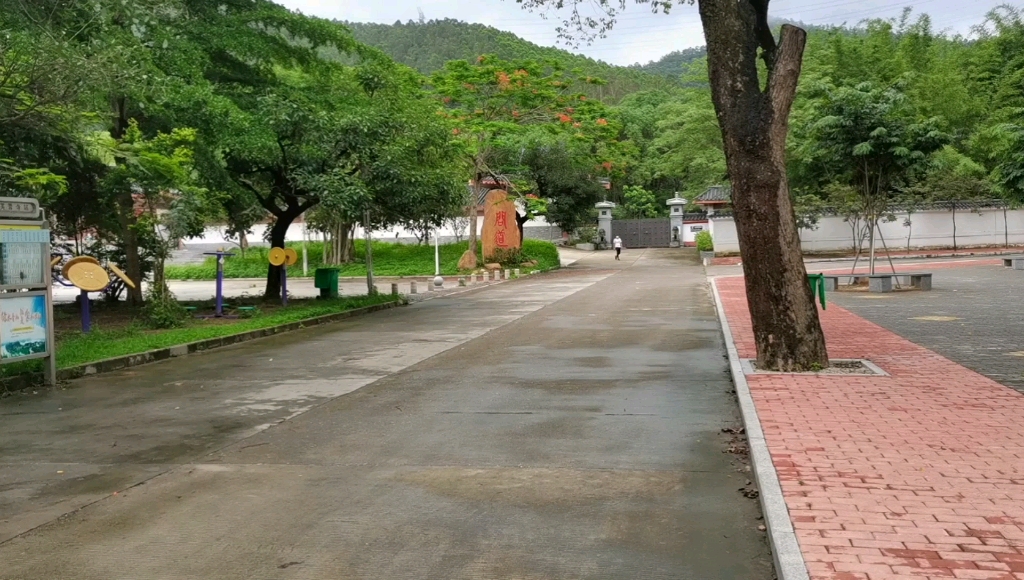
(789, 560)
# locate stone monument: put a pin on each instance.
(500, 231)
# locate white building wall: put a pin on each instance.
(690, 230)
(926, 229)
(723, 234)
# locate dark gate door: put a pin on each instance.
(643, 233)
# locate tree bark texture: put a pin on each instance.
(130, 236)
(338, 249)
(754, 124)
(471, 214)
(277, 239)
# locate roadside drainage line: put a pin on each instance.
(789, 560)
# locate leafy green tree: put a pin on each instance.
(872, 138)
(560, 175)
(639, 203)
(151, 192)
(492, 101)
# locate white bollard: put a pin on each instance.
(508, 274)
(517, 273)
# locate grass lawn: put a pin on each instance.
(389, 259)
(117, 333)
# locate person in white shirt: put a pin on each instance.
(617, 244)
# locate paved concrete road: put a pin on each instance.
(562, 426)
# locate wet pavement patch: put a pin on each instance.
(542, 487)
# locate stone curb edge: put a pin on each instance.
(789, 560)
(122, 362)
(926, 256)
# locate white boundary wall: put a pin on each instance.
(216, 234)
(928, 229)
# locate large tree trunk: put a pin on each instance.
(754, 124)
(277, 239)
(470, 259)
(521, 224)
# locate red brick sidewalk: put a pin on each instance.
(915, 475)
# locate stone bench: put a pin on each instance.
(882, 282)
(1015, 262)
(832, 280)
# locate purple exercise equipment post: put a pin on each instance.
(219, 310)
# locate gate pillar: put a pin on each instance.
(604, 223)
(676, 207)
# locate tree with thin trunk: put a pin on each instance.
(753, 115)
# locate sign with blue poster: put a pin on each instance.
(23, 326)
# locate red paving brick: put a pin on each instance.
(916, 475)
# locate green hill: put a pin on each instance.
(427, 45)
(671, 65)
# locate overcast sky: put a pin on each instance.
(641, 36)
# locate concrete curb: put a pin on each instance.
(122, 362)
(981, 253)
(789, 560)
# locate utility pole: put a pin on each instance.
(438, 280)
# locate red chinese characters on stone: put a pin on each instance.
(500, 230)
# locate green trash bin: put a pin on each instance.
(817, 282)
(326, 279)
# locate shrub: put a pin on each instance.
(507, 256)
(544, 253)
(162, 310)
(586, 235)
(704, 241)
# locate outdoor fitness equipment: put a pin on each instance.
(88, 275)
(218, 311)
(282, 258)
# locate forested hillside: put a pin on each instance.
(673, 63)
(888, 113)
(427, 46)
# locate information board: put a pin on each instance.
(21, 264)
(23, 326)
